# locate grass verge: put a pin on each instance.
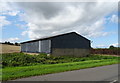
(10, 73)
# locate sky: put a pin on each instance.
(23, 21)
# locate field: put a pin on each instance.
(9, 48)
(19, 65)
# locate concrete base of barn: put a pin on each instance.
(30, 53)
(70, 52)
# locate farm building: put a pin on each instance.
(71, 44)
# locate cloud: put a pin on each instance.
(3, 21)
(24, 33)
(107, 46)
(51, 18)
(113, 18)
(11, 39)
(7, 8)
(11, 13)
(101, 46)
(0, 40)
(93, 30)
(116, 44)
(21, 26)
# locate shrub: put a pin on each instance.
(21, 59)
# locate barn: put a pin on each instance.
(70, 44)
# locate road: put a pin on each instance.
(104, 73)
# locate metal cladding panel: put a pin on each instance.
(23, 47)
(70, 41)
(33, 46)
(46, 46)
(30, 47)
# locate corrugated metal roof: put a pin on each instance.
(45, 38)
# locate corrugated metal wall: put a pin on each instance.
(30, 47)
(70, 45)
(33, 46)
(46, 46)
(70, 41)
(23, 47)
(43, 46)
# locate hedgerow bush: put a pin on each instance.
(17, 59)
(21, 59)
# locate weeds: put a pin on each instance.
(21, 59)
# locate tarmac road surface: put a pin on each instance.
(103, 73)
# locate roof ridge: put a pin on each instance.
(52, 37)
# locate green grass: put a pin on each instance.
(18, 65)
(10, 73)
(21, 59)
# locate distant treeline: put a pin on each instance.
(110, 47)
(9, 43)
(111, 50)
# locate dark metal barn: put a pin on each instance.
(71, 44)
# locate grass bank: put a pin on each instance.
(21, 59)
(10, 73)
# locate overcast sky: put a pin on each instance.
(97, 21)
